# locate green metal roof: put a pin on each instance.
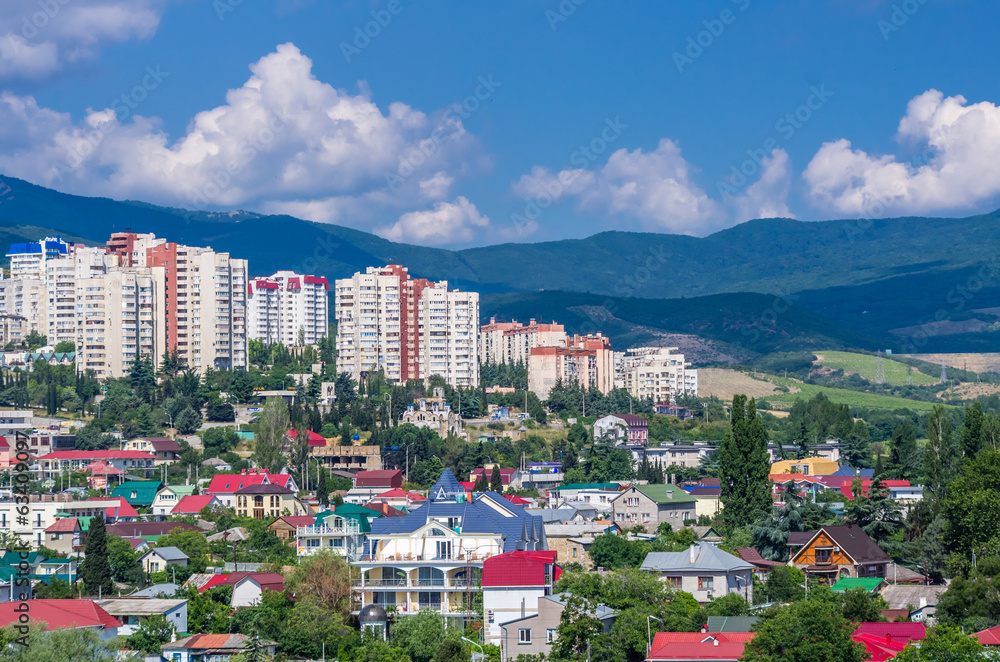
(181, 490)
(666, 493)
(867, 583)
(144, 490)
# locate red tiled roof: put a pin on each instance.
(399, 493)
(124, 508)
(61, 614)
(847, 491)
(314, 439)
(633, 420)
(989, 637)
(897, 631)
(4, 444)
(698, 645)
(134, 542)
(385, 509)
(298, 520)
(101, 469)
(316, 280)
(98, 455)
(64, 525)
(192, 503)
(231, 483)
(516, 500)
(266, 580)
(880, 649)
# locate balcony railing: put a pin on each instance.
(446, 582)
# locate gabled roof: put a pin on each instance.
(123, 509)
(313, 438)
(895, 631)
(901, 596)
(989, 637)
(64, 525)
(101, 469)
(852, 541)
(698, 645)
(140, 529)
(751, 555)
(264, 488)
(192, 504)
(227, 644)
(179, 490)
(266, 580)
(61, 614)
(145, 491)
(446, 488)
(399, 493)
(231, 483)
(163, 444)
(296, 521)
(706, 557)
(168, 553)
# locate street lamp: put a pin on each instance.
(649, 634)
(482, 655)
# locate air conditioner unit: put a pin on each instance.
(709, 594)
(836, 549)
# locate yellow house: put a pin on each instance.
(268, 502)
(810, 466)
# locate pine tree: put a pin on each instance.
(322, 489)
(903, 454)
(496, 482)
(857, 446)
(95, 571)
(744, 465)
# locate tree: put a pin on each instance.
(188, 421)
(481, 484)
(744, 465)
(67, 645)
(124, 561)
(64, 347)
(270, 434)
(945, 643)
(857, 447)
(939, 458)
(419, 635)
(325, 576)
(972, 507)
(450, 650)
(972, 430)
(785, 583)
(152, 633)
(861, 606)
(613, 551)
(217, 410)
(496, 481)
(877, 514)
(95, 570)
(904, 456)
(809, 631)
(323, 489)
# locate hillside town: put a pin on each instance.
(199, 464)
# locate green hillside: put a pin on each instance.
(842, 396)
(865, 365)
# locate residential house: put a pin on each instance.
(704, 571)
(212, 647)
(572, 541)
(920, 601)
(65, 536)
(667, 409)
(159, 558)
(667, 455)
(399, 498)
(168, 497)
(138, 493)
(810, 466)
(512, 584)
(534, 635)
(164, 449)
(265, 501)
(225, 486)
(285, 526)
(249, 587)
(762, 566)
(193, 504)
(899, 490)
(507, 476)
(50, 466)
(625, 429)
(989, 637)
(45, 509)
(368, 484)
(164, 590)
(132, 611)
(342, 531)
(697, 646)
(148, 531)
(433, 556)
(216, 464)
(542, 475)
(653, 505)
(834, 552)
(63, 614)
(570, 491)
(883, 641)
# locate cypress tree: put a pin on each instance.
(744, 465)
(972, 430)
(95, 571)
(322, 489)
(903, 453)
(496, 482)
(481, 484)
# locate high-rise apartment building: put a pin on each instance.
(24, 297)
(584, 360)
(411, 328)
(27, 259)
(655, 373)
(61, 276)
(120, 314)
(512, 342)
(286, 305)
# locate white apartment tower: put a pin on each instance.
(282, 305)
(61, 276)
(409, 327)
(24, 297)
(656, 373)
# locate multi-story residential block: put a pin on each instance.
(433, 557)
(120, 314)
(409, 327)
(227, 486)
(345, 458)
(28, 260)
(60, 278)
(512, 342)
(704, 571)
(656, 373)
(343, 532)
(623, 428)
(24, 298)
(47, 467)
(13, 331)
(165, 450)
(584, 360)
(287, 305)
(45, 510)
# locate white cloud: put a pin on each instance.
(446, 223)
(284, 142)
(40, 37)
(657, 189)
(957, 170)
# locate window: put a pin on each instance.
(574, 552)
(524, 636)
(673, 582)
(823, 554)
(312, 542)
(550, 635)
(705, 583)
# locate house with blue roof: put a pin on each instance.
(432, 558)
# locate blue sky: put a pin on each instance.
(831, 109)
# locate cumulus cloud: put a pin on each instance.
(657, 189)
(284, 142)
(40, 37)
(446, 223)
(957, 170)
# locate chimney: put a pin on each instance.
(715, 642)
(693, 552)
(923, 602)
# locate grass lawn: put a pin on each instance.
(864, 365)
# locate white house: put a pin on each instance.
(704, 571)
(159, 558)
(132, 611)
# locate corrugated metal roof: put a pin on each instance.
(706, 557)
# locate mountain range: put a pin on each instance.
(918, 284)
